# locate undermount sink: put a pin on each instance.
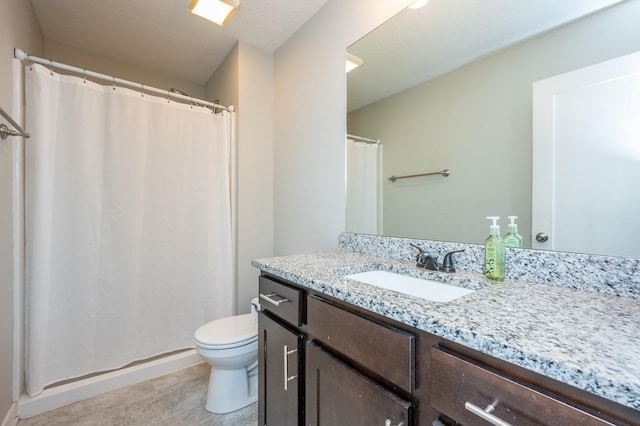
(426, 289)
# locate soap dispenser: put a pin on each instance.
(512, 238)
(494, 252)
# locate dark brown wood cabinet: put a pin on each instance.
(355, 367)
(473, 394)
(280, 355)
(359, 382)
(337, 394)
(279, 373)
(385, 353)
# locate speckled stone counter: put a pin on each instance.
(587, 339)
(618, 276)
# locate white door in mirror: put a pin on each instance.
(586, 159)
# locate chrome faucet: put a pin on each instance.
(426, 261)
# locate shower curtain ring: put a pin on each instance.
(51, 67)
(113, 77)
(142, 89)
(168, 101)
(84, 74)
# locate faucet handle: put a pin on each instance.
(447, 262)
(424, 260)
(420, 250)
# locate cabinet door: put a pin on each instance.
(338, 395)
(279, 370)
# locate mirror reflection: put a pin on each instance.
(464, 103)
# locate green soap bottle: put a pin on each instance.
(512, 238)
(494, 252)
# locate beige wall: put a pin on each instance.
(79, 58)
(223, 85)
(476, 121)
(245, 80)
(18, 28)
(255, 168)
(309, 124)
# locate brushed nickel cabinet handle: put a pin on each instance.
(287, 378)
(486, 413)
(273, 298)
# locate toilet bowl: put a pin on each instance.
(230, 346)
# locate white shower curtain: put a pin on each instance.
(128, 225)
(364, 193)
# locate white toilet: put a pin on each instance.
(230, 345)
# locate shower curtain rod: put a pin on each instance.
(362, 139)
(23, 56)
(5, 131)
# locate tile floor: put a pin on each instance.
(174, 399)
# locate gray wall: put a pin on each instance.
(245, 79)
(310, 124)
(255, 168)
(476, 121)
(87, 60)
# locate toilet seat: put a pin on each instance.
(227, 346)
(227, 333)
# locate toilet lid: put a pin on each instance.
(227, 331)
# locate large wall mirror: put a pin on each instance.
(449, 86)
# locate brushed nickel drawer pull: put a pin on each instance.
(486, 413)
(273, 298)
(288, 378)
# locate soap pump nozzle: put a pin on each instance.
(512, 239)
(494, 229)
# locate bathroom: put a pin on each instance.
(299, 140)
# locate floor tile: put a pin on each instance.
(174, 399)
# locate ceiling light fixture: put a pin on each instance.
(353, 62)
(218, 11)
(418, 4)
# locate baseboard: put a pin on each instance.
(11, 418)
(66, 394)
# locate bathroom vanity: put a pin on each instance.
(337, 351)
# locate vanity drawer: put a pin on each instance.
(379, 348)
(459, 384)
(282, 300)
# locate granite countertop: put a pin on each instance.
(586, 339)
